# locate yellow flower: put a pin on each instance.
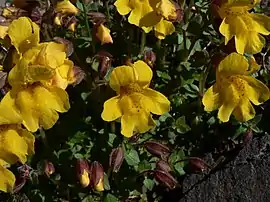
(235, 89)
(244, 26)
(134, 100)
(150, 14)
(3, 31)
(15, 143)
(24, 34)
(65, 7)
(45, 62)
(103, 34)
(38, 105)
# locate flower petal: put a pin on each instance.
(50, 101)
(26, 104)
(123, 6)
(233, 64)
(211, 99)
(139, 10)
(23, 33)
(51, 54)
(3, 31)
(127, 125)
(122, 76)
(230, 99)
(164, 28)
(260, 23)
(13, 147)
(244, 111)
(257, 92)
(7, 179)
(226, 29)
(111, 109)
(144, 72)
(155, 102)
(29, 138)
(143, 122)
(249, 42)
(9, 113)
(66, 7)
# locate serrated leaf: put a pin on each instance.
(132, 157)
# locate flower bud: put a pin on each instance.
(157, 149)
(163, 165)
(165, 179)
(72, 25)
(48, 168)
(247, 137)
(197, 165)
(103, 34)
(97, 18)
(66, 7)
(58, 19)
(97, 176)
(116, 159)
(82, 170)
(150, 57)
(105, 60)
(79, 75)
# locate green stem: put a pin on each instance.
(108, 12)
(88, 26)
(143, 40)
(158, 52)
(203, 78)
(113, 127)
(43, 138)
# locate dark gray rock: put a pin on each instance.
(246, 178)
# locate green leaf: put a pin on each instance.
(180, 169)
(106, 182)
(149, 184)
(110, 198)
(181, 125)
(132, 157)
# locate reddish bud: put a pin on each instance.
(97, 18)
(97, 176)
(198, 165)
(116, 159)
(48, 168)
(165, 179)
(79, 75)
(149, 57)
(83, 172)
(105, 60)
(247, 137)
(157, 149)
(163, 165)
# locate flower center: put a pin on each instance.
(239, 85)
(131, 88)
(232, 11)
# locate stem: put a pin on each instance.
(108, 12)
(113, 127)
(43, 138)
(203, 78)
(143, 40)
(87, 26)
(158, 47)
